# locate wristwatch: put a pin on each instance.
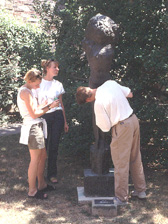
(49, 107)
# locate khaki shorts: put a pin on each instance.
(36, 137)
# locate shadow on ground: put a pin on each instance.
(62, 205)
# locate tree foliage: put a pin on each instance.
(21, 47)
(140, 57)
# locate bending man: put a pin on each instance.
(112, 110)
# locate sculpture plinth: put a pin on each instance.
(96, 185)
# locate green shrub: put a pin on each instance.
(140, 58)
(22, 48)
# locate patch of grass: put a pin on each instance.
(62, 205)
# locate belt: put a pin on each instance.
(127, 117)
(130, 116)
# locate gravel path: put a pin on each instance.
(10, 129)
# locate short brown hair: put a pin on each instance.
(32, 75)
(82, 95)
(47, 63)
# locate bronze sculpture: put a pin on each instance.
(100, 37)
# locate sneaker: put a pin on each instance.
(117, 201)
(140, 195)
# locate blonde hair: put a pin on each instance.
(47, 63)
(32, 75)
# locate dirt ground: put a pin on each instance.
(62, 205)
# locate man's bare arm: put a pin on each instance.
(130, 95)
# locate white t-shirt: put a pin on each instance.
(50, 90)
(111, 105)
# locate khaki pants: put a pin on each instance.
(125, 151)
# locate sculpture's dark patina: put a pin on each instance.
(99, 42)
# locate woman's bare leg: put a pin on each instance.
(35, 155)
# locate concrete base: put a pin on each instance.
(104, 207)
(98, 185)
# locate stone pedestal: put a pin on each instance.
(98, 185)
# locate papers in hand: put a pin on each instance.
(46, 105)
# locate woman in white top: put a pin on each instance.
(32, 133)
(51, 89)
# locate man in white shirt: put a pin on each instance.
(112, 110)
